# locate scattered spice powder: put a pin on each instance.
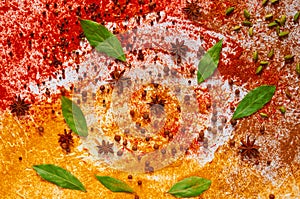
(49, 40)
(22, 43)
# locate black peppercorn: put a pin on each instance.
(166, 132)
(232, 107)
(215, 112)
(139, 182)
(147, 163)
(144, 93)
(214, 131)
(117, 138)
(271, 196)
(233, 122)
(138, 125)
(262, 129)
(134, 147)
(127, 131)
(143, 131)
(132, 113)
(155, 146)
(174, 151)
(102, 87)
(232, 143)
(120, 153)
(213, 118)
(186, 98)
(41, 129)
(224, 120)
(201, 136)
(149, 169)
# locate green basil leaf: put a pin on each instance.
(190, 187)
(102, 39)
(74, 117)
(209, 62)
(114, 184)
(59, 176)
(254, 101)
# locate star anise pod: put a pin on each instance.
(116, 76)
(178, 48)
(105, 148)
(19, 106)
(157, 100)
(248, 148)
(200, 52)
(192, 10)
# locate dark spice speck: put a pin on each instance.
(271, 196)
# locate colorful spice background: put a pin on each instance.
(41, 41)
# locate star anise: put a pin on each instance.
(19, 106)
(192, 10)
(178, 48)
(248, 148)
(66, 140)
(105, 148)
(157, 100)
(116, 76)
(200, 52)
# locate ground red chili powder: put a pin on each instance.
(41, 40)
(37, 38)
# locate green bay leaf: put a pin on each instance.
(113, 184)
(190, 187)
(209, 62)
(254, 101)
(102, 39)
(74, 117)
(59, 176)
